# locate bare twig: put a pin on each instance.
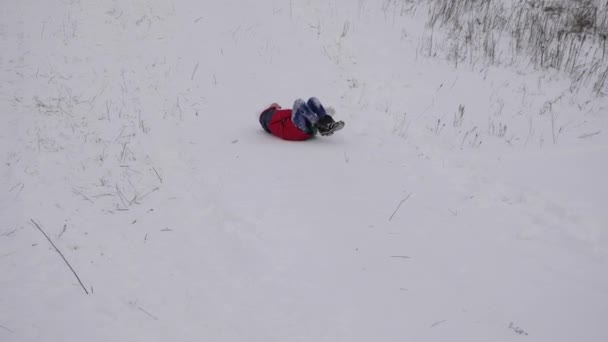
(401, 256)
(518, 330)
(119, 135)
(553, 126)
(7, 329)
(144, 195)
(65, 226)
(179, 107)
(194, 71)
(157, 175)
(20, 189)
(16, 185)
(108, 111)
(103, 195)
(121, 196)
(399, 206)
(124, 152)
(10, 233)
(589, 135)
(81, 194)
(61, 254)
(437, 323)
(147, 313)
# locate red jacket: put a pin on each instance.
(278, 122)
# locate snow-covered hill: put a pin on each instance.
(458, 204)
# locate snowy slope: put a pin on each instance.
(129, 136)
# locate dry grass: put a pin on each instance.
(565, 35)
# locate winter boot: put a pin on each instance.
(327, 126)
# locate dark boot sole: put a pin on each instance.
(333, 127)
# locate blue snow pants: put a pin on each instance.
(305, 115)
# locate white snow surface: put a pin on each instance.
(129, 135)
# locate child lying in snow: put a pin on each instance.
(302, 122)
